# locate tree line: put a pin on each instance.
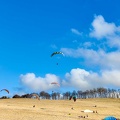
(92, 93)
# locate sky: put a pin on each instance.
(86, 31)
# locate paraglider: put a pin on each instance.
(37, 97)
(54, 53)
(55, 83)
(5, 90)
(110, 118)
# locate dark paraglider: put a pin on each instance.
(5, 90)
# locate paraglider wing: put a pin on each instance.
(36, 96)
(55, 83)
(5, 90)
(54, 53)
(110, 118)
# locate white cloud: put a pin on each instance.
(92, 57)
(114, 41)
(84, 80)
(39, 83)
(111, 77)
(80, 52)
(87, 44)
(75, 31)
(77, 78)
(102, 29)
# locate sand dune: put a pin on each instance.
(33, 109)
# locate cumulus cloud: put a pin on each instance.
(84, 80)
(102, 29)
(32, 82)
(75, 31)
(114, 41)
(111, 77)
(92, 57)
(77, 78)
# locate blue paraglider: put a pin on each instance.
(110, 118)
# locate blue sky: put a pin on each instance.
(87, 32)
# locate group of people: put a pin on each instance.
(73, 97)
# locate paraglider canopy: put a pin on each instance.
(54, 53)
(5, 90)
(37, 97)
(55, 83)
(110, 118)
